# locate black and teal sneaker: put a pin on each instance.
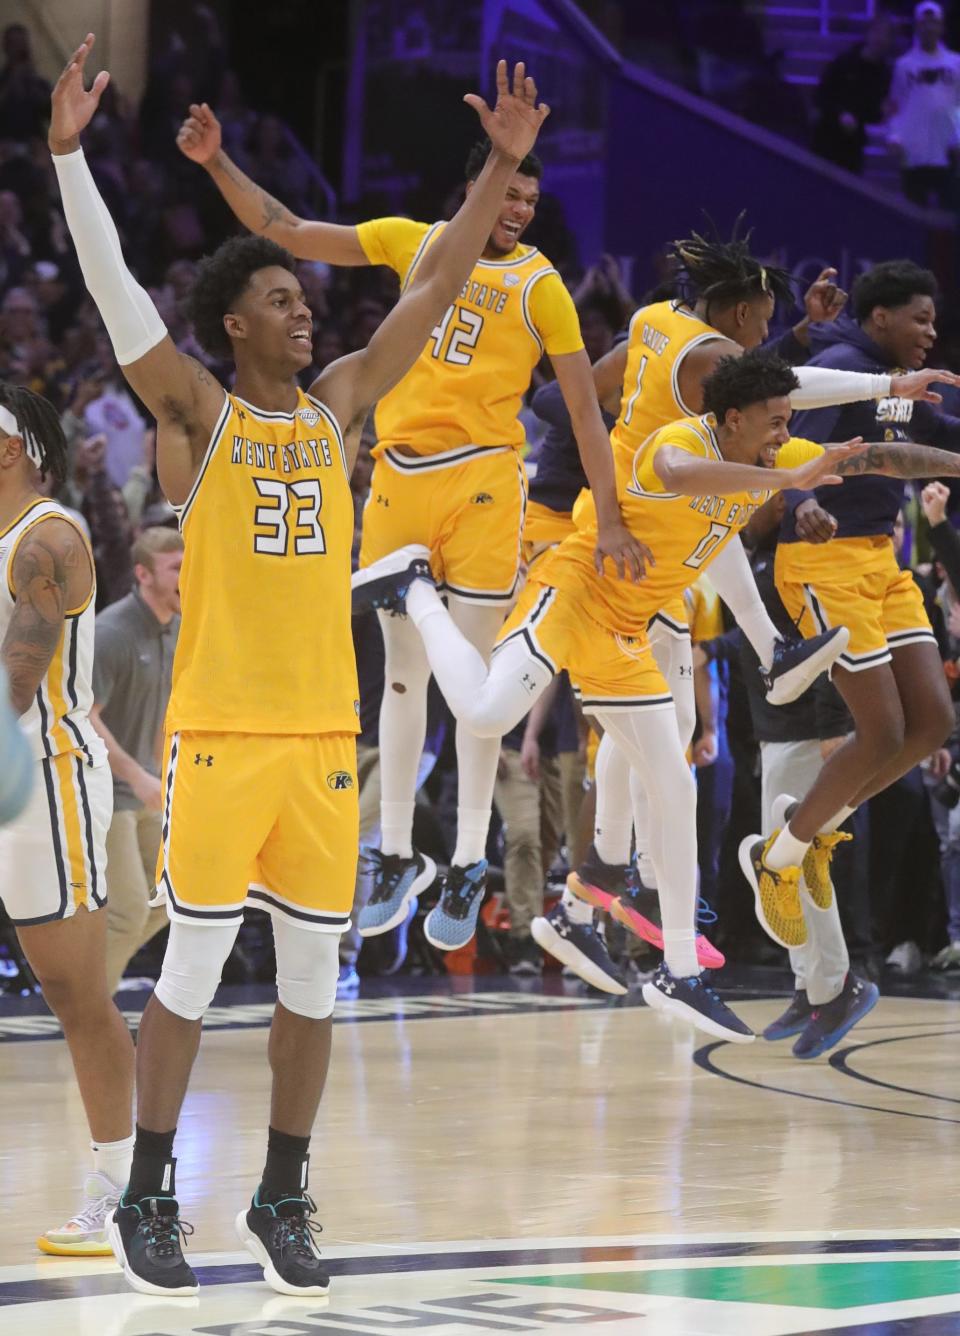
(145, 1237)
(280, 1235)
(453, 920)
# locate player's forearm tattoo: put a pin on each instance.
(902, 460)
(41, 574)
(273, 210)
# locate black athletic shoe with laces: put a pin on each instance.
(385, 583)
(793, 1020)
(798, 663)
(145, 1237)
(280, 1235)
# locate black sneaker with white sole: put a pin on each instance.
(690, 999)
(280, 1235)
(798, 663)
(145, 1237)
(579, 946)
(384, 584)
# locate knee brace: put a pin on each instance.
(308, 965)
(192, 966)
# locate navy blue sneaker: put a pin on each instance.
(383, 585)
(798, 663)
(397, 882)
(453, 920)
(145, 1237)
(579, 946)
(692, 1000)
(280, 1235)
(828, 1024)
(793, 1020)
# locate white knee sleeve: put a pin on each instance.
(308, 964)
(192, 966)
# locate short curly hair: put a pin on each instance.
(221, 278)
(892, 283)
(481, 150)
(738, 382)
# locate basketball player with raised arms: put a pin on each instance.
(260, 787)
(448, 475)
(53, 855)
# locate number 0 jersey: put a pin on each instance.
(661, 335)
(684, 533)
(466, 387)
(265, 644)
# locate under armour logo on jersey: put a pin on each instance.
(481, 499)
(202, 760)
(382, 500)
(340, 779)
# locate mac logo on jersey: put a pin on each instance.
(511, 280)
(340, 779)
(309, 415)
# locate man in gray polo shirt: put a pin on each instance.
(132, 667)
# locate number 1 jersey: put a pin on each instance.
(265, 643)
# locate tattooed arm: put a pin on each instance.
(51, 576)
(199, 140)
(902, 459)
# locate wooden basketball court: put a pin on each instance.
(534, 1160)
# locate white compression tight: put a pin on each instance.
(307, 967)
(403, 723)
(491, 702)
(621, 793)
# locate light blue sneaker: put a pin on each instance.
(453, 921)
(396, 884)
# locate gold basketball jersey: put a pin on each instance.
(265, 644)
(467, 385)
(661, 335)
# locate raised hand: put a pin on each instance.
(199, 136)
(514, 123)
(73, 106)
(914, 385)
(823, 300)
(933, 500)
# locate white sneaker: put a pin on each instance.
(907, 957)
(85, 1234)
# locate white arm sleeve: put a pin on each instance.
(132, 320)
(821, 386)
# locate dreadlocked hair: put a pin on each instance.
(38, 417)
(723, 273)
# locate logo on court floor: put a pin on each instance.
(340, 779)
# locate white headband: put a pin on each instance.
(11, 426)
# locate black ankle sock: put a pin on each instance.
(285, 1172)
(153, 1172)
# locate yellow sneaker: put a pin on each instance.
(817, 881)
(776, 894)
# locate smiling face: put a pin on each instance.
(271, 321)
(905, 333)
(754, 434)
(516, 215)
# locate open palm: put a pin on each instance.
(514, 123)
(73, 107)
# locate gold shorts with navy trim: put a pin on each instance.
(53, 857)
(258, 819)
(544, 529)
(853, 582)
(608, 671)
(466, 505)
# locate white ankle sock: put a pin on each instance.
(396, 824)
(837, 821)
(472, 826)
(680, 952)
(113, 1159)
(786, 851)
(577, 910)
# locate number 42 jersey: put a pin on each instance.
(265, 643)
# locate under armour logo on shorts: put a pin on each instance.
(202, 760)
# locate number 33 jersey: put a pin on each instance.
(467, 385)
(265, 643)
